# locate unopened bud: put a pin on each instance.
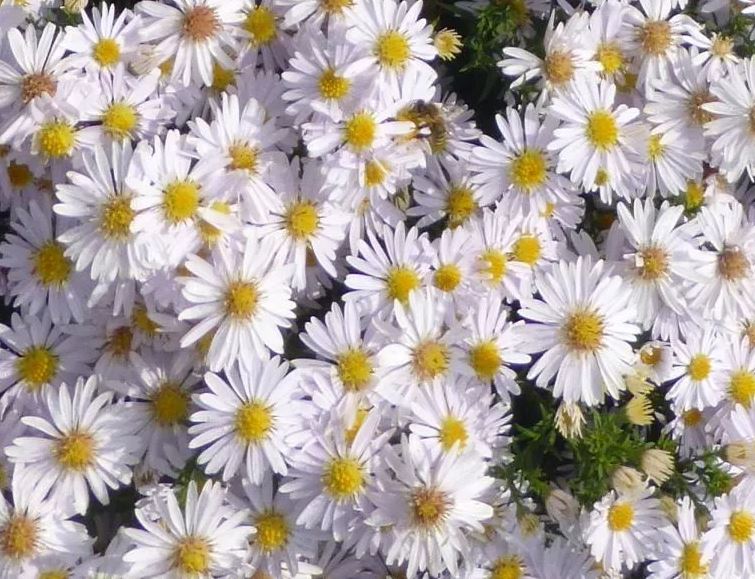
(569, 420)
(669, 508)
(657, 464)
(74, 6)
(562, 507)
(741, 454)
(448, 44)
(627, 480)
(639, 411)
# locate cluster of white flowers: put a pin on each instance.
(258, 241)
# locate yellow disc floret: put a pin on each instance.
(51, 266)
(261, 26)
(354, 369)
(528, 170)
(429, 360)
(37, 366)
(343, 478)
(75, 451)
(272, 531)
(332, 86)
(170, 404)
(392, 50)
(116, 218)
(119, 121)
(19, 538)
(192, 556)
(452, 431)
(56, 139)
(180, 201)
(106, 52)
(302, 220)
(583, 331)
(620, 517)
(360, 131)
(602, 130)
(400, 282)
(253, 422)
(485, 359)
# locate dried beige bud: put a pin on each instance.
(741, 454)
(627, 480)
(448, 44)
(562, 507)
(657, 464)
(74, 6)
(569, 420)
(639, 411)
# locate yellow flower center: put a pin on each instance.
(430, 360)
(261, 26)
(655, 37)
(243, 157)
(452, 430)
(253, 422)
(222, 78)
(655, 147)
(602, 130)
(699, 367)
(691, 564)
(35, 85)
(375, 173)
(559, 68)
(51, 266)
(119, 343)
(528, 170)
(37, 366)
(742, 387)
(733, 264)
(141, 321)
(494, 265)
(106, 52)
(180, 201)
(654, 263)
(695, 109)
(75, 451)
(56, 574)
(56, 139)
(241, 299)
(620, 517)
(447, 277)
(392, 50)
(527, 249)
(583, 331)
(200, 23)
(651, 356)
(509, 567)
(192, 556)
(335, 6)
(692, 417)
(302, 220)
(333, 87)
(400, 282)
(460, 205)
(116, 218)
(360, 131)
(19, 175)
(343, 478)
(354, 369)
(119, 120)
(272, 531)
(429, 507)
(19, 537)
(741, 526)
(170, 404)
(485, 359)
(609, 55)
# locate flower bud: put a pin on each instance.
(74, 6)
(639, 411)
(569, 420)
(627, 480)
(448, 44)
(657, 464)
(741, 454)
(562, 507)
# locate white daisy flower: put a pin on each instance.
(723, 276)
(566, 55)
(729, 542)
(453, 270)
(263, 31)
(85, 444)
(40, 275)
(102, 41)
(32, 530)
(38, 356)
(682, 554)
(491, 346)
(326, 75)
(733, 148)
(306, 225)
(279, 542)
(160, 404)
(332, 474)
(103, 240)
(169, 187)
(584, 324)
(520, 169)
(598, 144)
(429, 505)
(125, 109)
(38, 68)
(419, 348)
(195, 33)
(244, 296)
(243, 141)
(623, 528)
(246, 422)
(389, 275)
(348, 352)
(698, 365)
(656, 263)
(398, 40)
(205, 538)
(314, 11)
